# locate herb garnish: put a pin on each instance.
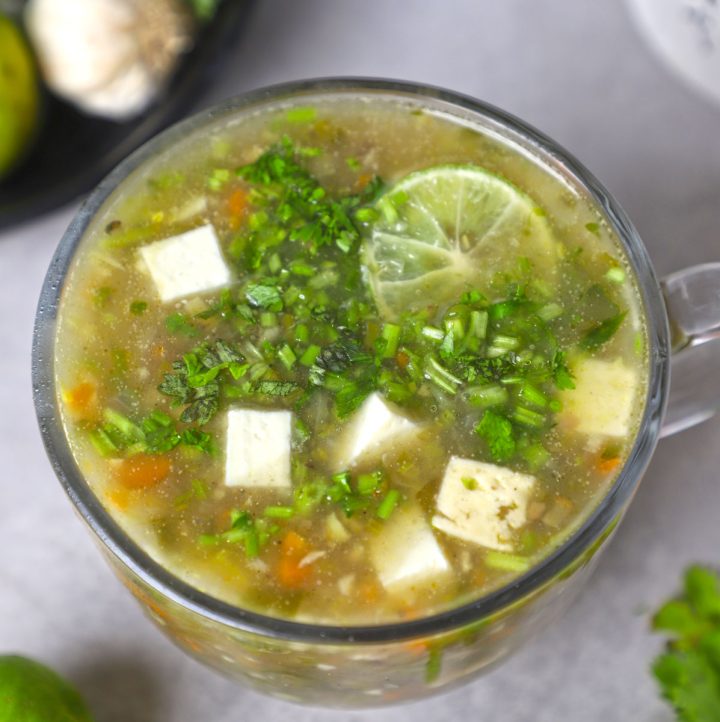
(689, 670)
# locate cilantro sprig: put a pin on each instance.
(688, 672)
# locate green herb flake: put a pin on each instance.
(602, 332)
(593, 228)
(301, 115)
(138, 308)
(179, 325)
(497, 431)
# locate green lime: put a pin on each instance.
(448, 229)
(30, 692)
(19, 96)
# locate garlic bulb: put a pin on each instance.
(109, 57)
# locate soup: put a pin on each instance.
(349, 363)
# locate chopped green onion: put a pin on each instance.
(102, 442)
(616, 275)
(287, 356)
(279, 512)
(508, 343)
(441, 377)
(432, 333)
(533, 396)
(274, 263)
(309, 355)
(550, 311)
(302, 269)
(368, 484)
(506, 562)
(268, 319)
(302, 333)
(478, 324)
(391, 335)
(388, 504)
(527, 417)
(252, 543)
(484, 396)
(123, 424)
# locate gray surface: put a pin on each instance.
(577, 70)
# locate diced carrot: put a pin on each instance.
(416, 646)
(292, 550)
(237, 202)
(369, 591)
(402, 359)
(79, 398)
(142, 471)
(605, 466)
(362, 180)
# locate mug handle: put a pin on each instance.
(692, 299)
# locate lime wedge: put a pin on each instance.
(449, 229)
(19, 96)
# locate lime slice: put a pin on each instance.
(449, 229)
(19, 97)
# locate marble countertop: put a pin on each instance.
(580, 72)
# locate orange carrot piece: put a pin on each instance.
(292, 550)
(605, 466)
(237, 202)
(142, 471)
(80, 397)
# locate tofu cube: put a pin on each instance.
(405, 553)
(603, 398)
(375, 427)
(258, 448)
(482, 503)
(185, 264)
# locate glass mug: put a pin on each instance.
(360, 666)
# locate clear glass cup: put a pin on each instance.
(365, 666)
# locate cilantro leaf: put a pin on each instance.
(264, 295)
(688, 672)
(276, 388)
(498, 434)
(602, 332)
(195, 379)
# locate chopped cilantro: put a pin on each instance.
(265, 296)
(137, 308)
(602, 332)
(688, 672)
(497, 431)
(179, 324)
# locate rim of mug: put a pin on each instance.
(121, 546)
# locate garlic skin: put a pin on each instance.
(109, 57)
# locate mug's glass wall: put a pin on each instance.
(357, 666)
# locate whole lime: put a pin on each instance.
(19, 96)
(30, 692)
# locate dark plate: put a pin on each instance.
(74, 150)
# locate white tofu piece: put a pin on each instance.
(603, 398)
(374, 428)
(258, 448)
(405, 553)
(482, 503)
(187, 263)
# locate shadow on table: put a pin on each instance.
(123, 689)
